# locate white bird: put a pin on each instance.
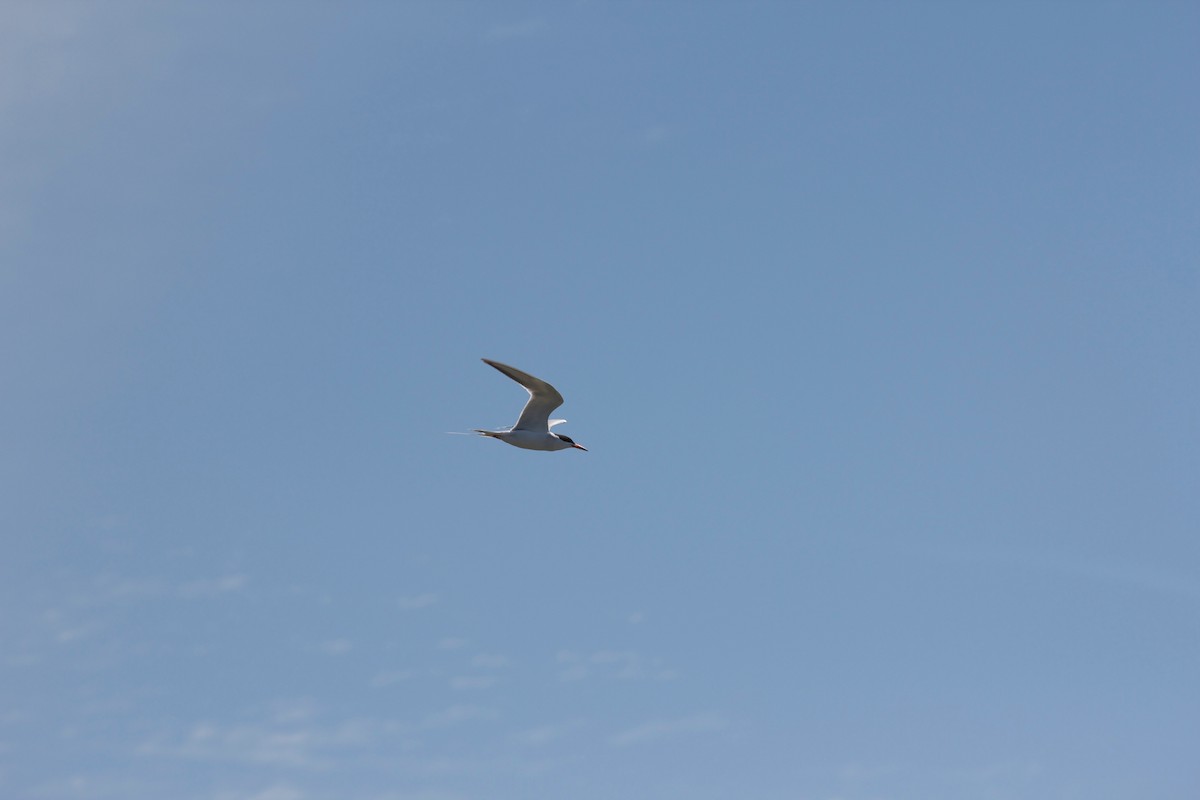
(532, 431)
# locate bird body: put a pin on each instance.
(530, 440)
(532, 431)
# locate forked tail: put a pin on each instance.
(493, 434)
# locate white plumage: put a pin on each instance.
(532, 431)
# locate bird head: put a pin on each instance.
(571, 442)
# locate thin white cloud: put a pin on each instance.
(614, 664)
(451, 643)
(545, 734)
(276, 792)
(22, 658)
(390, 678)
(95, 787)
(286, 741)
(66, 628)
(656, 134)
(115, 589)
(423, 794)
(473, 682)
(279, 793)
(62, 64)
(575, 672)
(657, 730)
(39, 43)
(336, 647)
(129, 589)
(624, 665)
(293, 711)
(89, 607)
(457, 714)
(417, 601)
(213, 587)
(71, 634)
(244, 744)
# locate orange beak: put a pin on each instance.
(579, 447)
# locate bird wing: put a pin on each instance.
(543, 398)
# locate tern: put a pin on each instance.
(532, 431)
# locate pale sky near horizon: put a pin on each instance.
(881, 323)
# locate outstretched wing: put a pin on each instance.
(543, 398)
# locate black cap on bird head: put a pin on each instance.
(571, 442)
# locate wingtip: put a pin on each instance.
(500, 366)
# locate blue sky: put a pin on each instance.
(880, 322)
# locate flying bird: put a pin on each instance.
(532, 431)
